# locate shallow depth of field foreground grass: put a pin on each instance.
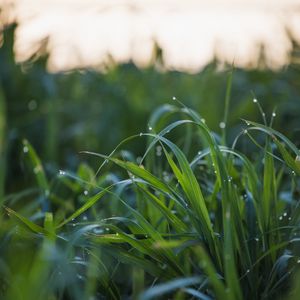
(194, 218)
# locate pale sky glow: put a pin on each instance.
(84, 32)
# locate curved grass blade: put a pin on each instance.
(168, 287)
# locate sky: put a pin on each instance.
(90, 33)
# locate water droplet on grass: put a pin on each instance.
(62, 173)
(254, 100)
(174, 98)
(273, 114)
(25, 149)
(150, 128)
(32, 105)
(280, 218)
(85, 192)
(285, 214)
(222, 125)
(141, 133)
(37, 169)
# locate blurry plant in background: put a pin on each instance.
(79, 233)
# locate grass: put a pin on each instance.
(177, 223)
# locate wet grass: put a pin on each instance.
(194, 218)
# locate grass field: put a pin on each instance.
(140, 185)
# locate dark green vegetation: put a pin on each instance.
(181, 209)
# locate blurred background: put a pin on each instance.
(85, 74)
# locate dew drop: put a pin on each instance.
(37, 169)
(222, 125)
(248, 271)
(107, 229)
(84, 218)
(141, 133)
(203, 120)
(62, 173)
(199, 152)
(298, 261)
(32, 105)
(256, 239)
(150, 128)
(174, 98)
(290, 219)
(25, 149)
(245, 131)
(254, 100)
(285, 214)
(273, 114)
(280, 218)
(85, 192)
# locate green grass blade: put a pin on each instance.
(171, 286)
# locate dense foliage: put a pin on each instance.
(188, 206)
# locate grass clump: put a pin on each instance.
(193, 218)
